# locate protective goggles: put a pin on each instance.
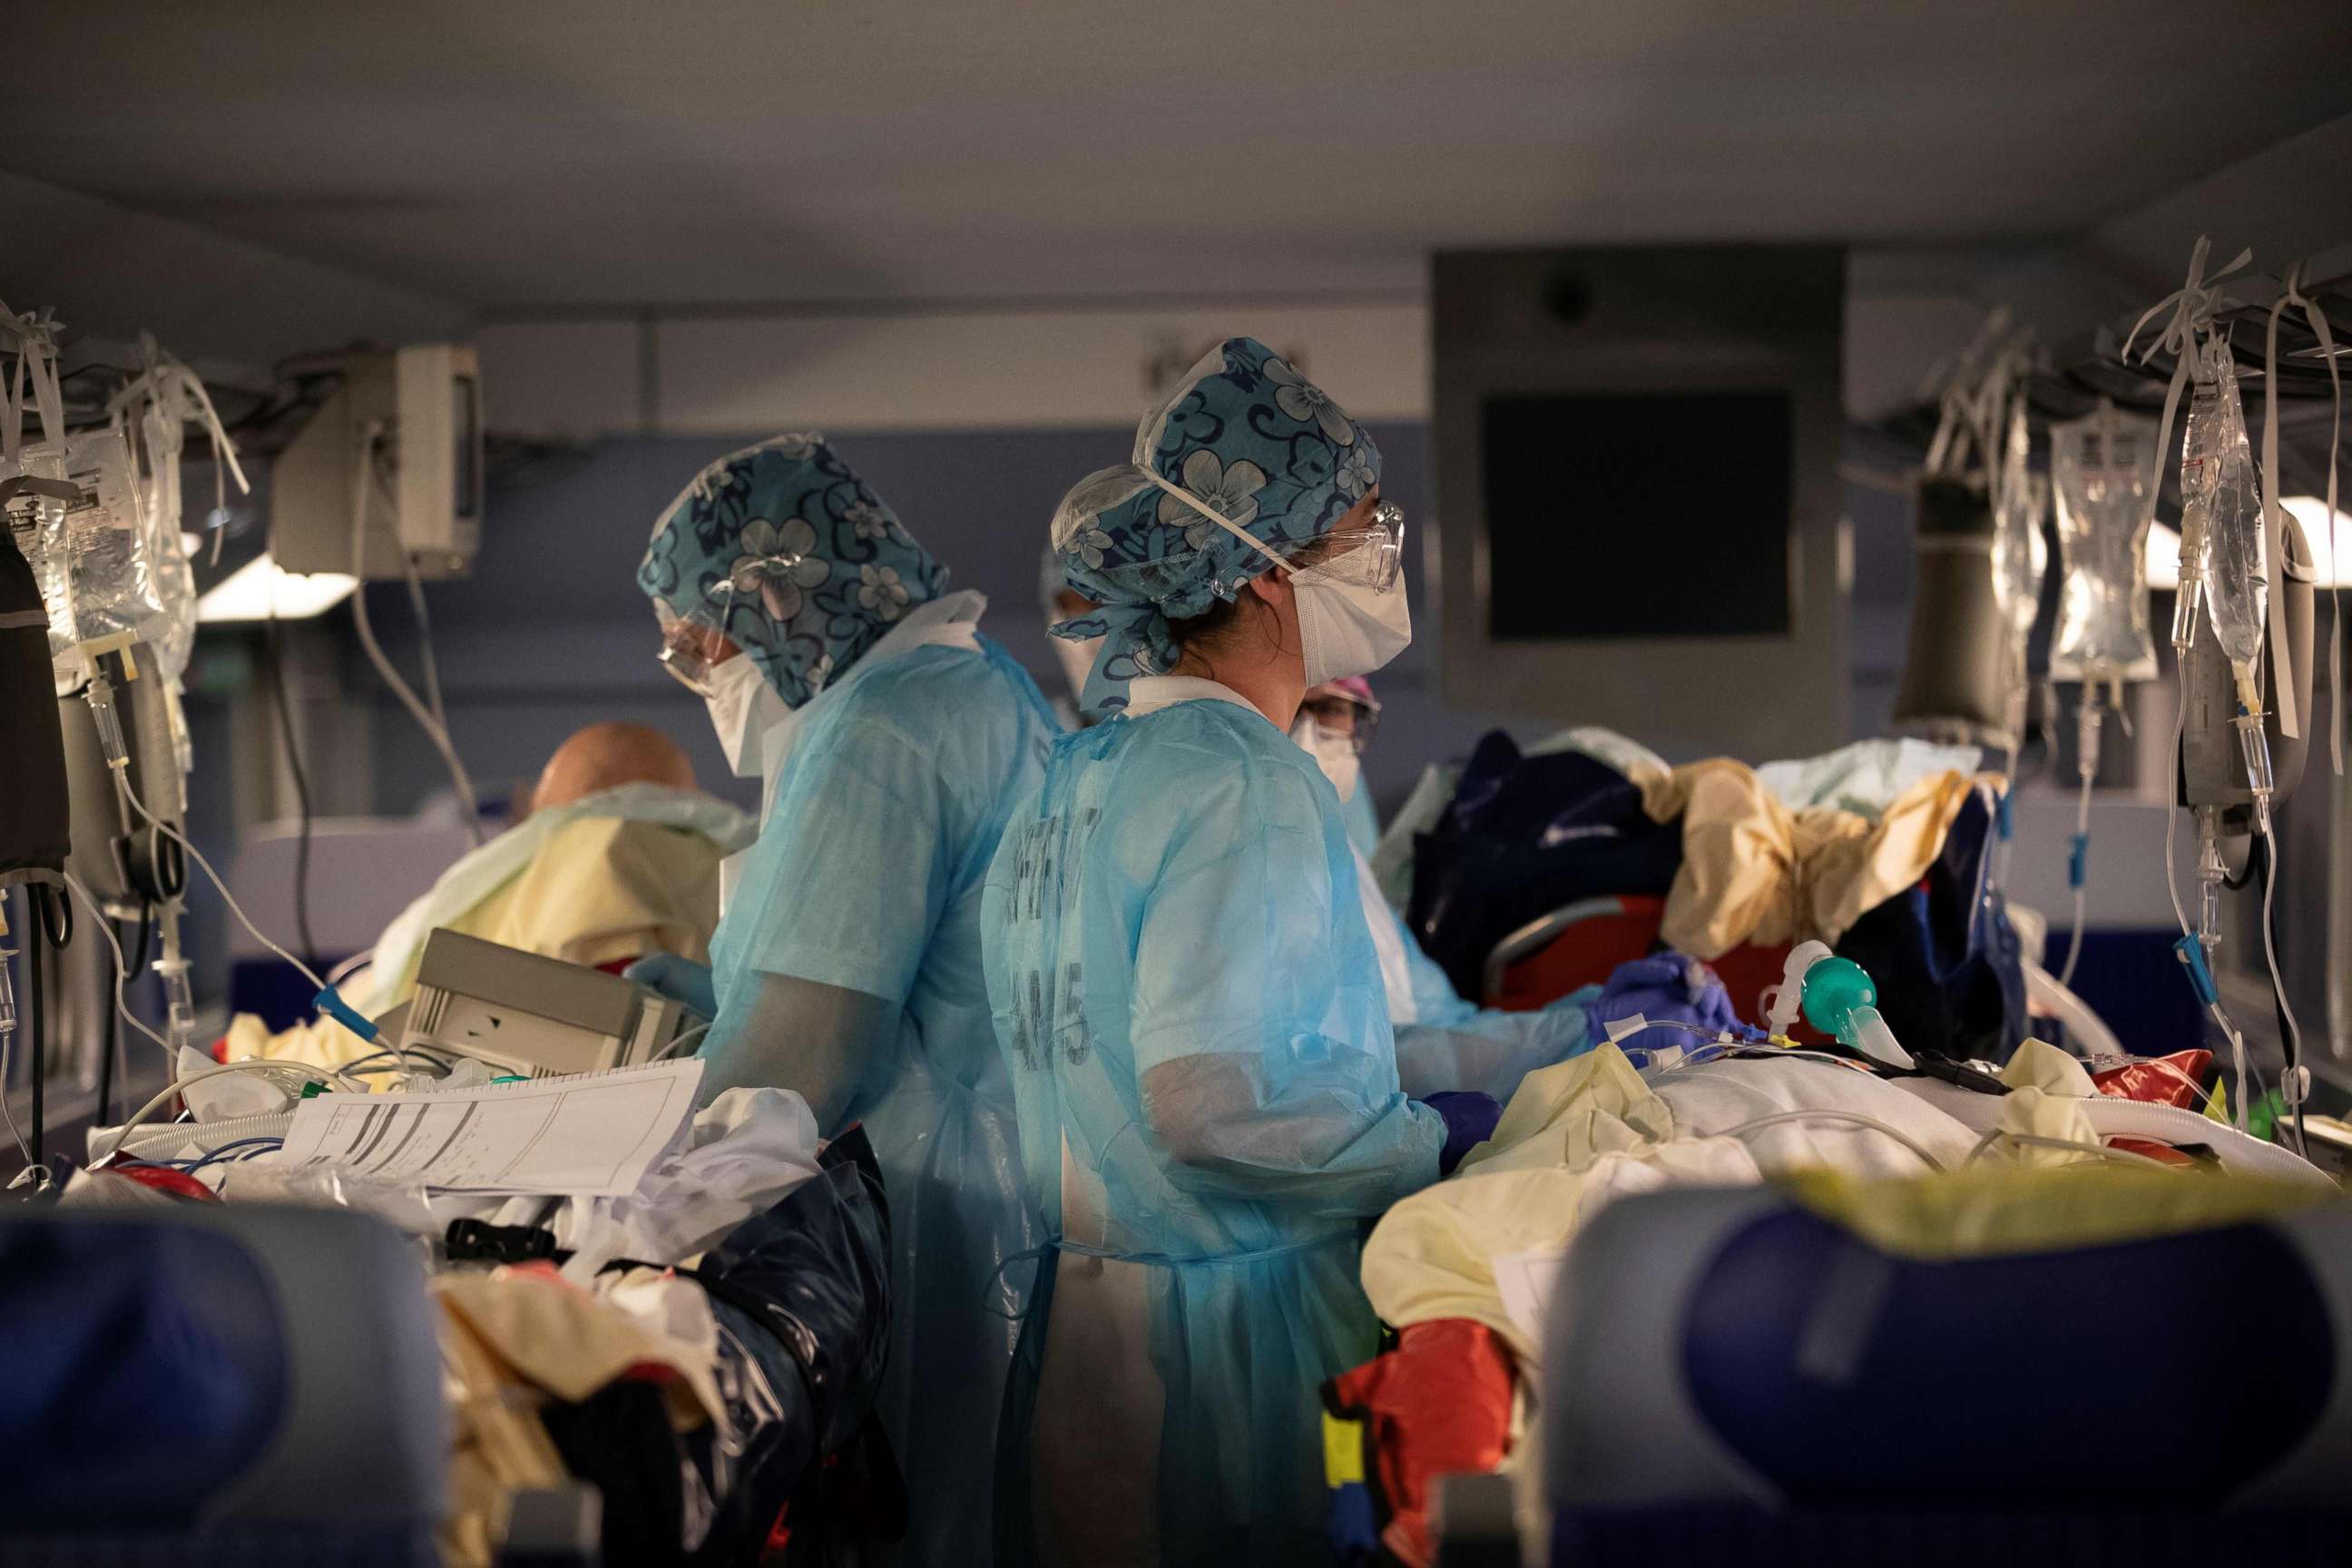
(1371, 556)
(1342, 717)
(690, 651)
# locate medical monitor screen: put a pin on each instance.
(1617, 515)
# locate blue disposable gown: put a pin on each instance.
(1444, 1042)
(1363, 822)
(1183, 980)
(848, 967)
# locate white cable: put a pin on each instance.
(129, 797)
(2172, 807)
(33, 1170)
(315, 1075)
(1824, 1113)
(234, 907)
(434, 730)
(122, 964)
(672, 1048)
(2294, 1041)
(350, 966)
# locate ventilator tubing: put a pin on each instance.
(2170, 1124)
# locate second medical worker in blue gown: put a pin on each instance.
(1182, 973)
(893, 737)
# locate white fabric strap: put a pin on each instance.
(2291, 294)
(1197, 504)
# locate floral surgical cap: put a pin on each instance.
(784, 549)
(1243, 436)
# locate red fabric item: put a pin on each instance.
(1588, 953)
(2177, 1079)
(615, 967)
(165, 1179)
(1437, 1404)
(2162, 1153)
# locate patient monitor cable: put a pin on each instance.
(429, 719)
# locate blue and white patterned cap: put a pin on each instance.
(1243, 436)
(784, 549)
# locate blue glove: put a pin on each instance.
(1469, 1120)
(1666, 986)
(679, 979)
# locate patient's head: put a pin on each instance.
(605, 757)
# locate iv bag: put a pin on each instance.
(158, 510)
(2020, 557)
(2100, 468)
(2220, 469)
(113, 580)
(36, 524)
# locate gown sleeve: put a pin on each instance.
(1260, 1029)
(838, 904)
(1452, 1044)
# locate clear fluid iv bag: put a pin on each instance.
(2201, 441)
(2101, 471)
(36, 524)
(2020, 557)
(2237, 586)
(114, 581)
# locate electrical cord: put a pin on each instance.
(434, 730)
(284, 704)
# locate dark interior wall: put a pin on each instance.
(550, 631)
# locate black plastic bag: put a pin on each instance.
(1943, 956)
(1526, 836)
(801, 1294)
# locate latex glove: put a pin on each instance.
(1469, 1119)
(679, 979)
(1666, 986)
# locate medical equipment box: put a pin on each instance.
(523, 1012)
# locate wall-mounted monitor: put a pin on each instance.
(1638, 509)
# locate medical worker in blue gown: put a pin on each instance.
(892, 739)
(1182, 977)
(1442, 1042)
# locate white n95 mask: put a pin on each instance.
(742, 705)
(1077, 662)
(1335, 754)
(1348, 628)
